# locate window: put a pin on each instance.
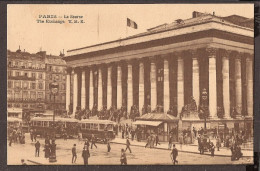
(17, 84)
(101, 126)
(17, 74)
(26, 74)
(40, 76)
(33, 85)
(40, 95)
(10, 84)
(25, 85)
(40, 85)
(9, 73)
(83, 126)
(33, 95)
(33, 75)
(16, 63)
(29, 65)
(87, 126)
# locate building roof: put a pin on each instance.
(156, 116)
(54, 60)
(177, 27)
(24, 55)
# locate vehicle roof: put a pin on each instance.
(56, 119)
(97, 121)
(13, 119)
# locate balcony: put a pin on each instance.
(25, 100)
(22, 78)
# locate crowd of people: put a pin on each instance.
(16, 135)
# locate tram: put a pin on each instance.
(44, 126)
(101, 129)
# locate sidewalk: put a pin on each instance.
(224, 152)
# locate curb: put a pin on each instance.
(35, 162)
(220, 155)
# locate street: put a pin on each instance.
(100, 156)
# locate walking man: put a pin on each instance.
(123, 157)
(174, 154)
(85, 155)
(74, 154)
(128, 145)
(108, 146)
(157, 140)
(37, 149)
(93, 141)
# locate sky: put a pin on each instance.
(102, 23)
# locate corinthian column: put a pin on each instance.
(68, 91)
(141, 86)
(226, 92)
(100, 90)
(249, 76)
(212, 82)
(166, 87)
(195, 78)
(119, 87)
(75, 91)
(83, 90)
(180, 84)
(153, 85)
(109, 87)
(91, 90)
(129, 87)
(238, 83)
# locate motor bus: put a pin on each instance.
(101, 129)
(44, 126)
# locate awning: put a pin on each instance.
(150, 123)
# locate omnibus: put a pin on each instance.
(44, 126)
(101, 129)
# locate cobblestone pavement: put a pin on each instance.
(99, 156)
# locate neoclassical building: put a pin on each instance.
(169, 64)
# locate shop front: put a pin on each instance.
(160, 124)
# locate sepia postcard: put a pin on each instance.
(121, 84)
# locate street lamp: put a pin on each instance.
(54, 86)
(204, 106)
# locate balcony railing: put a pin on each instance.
(22, 78)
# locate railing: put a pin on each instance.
(22, 78)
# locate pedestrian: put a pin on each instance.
(85, 155)
(47, 150)
(123, 132)
(65, 136)
(23, 163)
(218, 144)
(152, 141)
(181, 141)
(123, 159)
(11, 140)
(37, 149)
(157, 140)
(128, 145)
(132, 134)
(174, 154)
(212, 149)
(170, 142)
(34, 135)
(31, 134)
(86, 143)
(93, 141)
(108, 146)
(74, 153)
(148, 141)
(47, 140)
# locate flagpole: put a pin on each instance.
(98, 27)
(126, 31)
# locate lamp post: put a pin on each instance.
(54, 86)
(204, 106)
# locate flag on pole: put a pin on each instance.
(131, 23)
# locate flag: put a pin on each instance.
(131, 23)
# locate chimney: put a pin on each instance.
(213, 13)
(196, 14)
